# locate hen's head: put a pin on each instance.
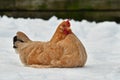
(64, 27)
(62, 31)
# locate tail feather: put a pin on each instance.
(20, 38)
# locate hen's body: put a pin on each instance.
(66, 51)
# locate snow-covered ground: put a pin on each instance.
(102, 42)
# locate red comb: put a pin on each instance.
(67, 22)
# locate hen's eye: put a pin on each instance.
(63, 25)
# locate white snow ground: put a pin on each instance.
(102, 42)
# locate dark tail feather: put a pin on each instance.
(14, 40)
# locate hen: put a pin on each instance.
(63, 50)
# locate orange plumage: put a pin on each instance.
(63, 50)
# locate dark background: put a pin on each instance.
(91, 10)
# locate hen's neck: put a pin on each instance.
(58, 36)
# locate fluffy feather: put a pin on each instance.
(63, 50)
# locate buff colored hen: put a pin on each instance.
(63, 50)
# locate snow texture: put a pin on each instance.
(101, 40)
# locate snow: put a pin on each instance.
(102, 42)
